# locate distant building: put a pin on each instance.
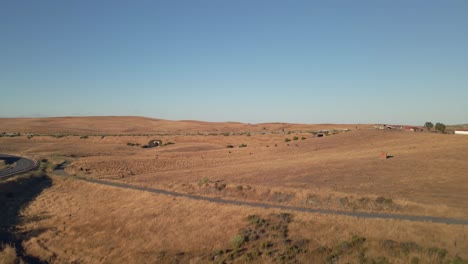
(153, 143)
(413, 129)
(461, 131)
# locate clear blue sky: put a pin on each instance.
(246, 60)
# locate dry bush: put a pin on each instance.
(8, 255)
(2, 164)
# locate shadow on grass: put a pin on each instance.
(9, 160)
(16, 194)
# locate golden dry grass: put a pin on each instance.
(426, 175)
(141, 125)
(8, 255)
(90, 223)
(3, 165)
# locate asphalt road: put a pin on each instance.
(60, 170)
(22, 165)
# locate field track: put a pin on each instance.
(60, 170)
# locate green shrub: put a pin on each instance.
(295, 138)
(237, 241)
(205, 181)
(242, 145)
(84, 137)
(287, 140)
(303, 138)
(229, 146)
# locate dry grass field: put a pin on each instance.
(72, 221)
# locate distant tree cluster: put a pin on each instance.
(438, 126)
(428, 126)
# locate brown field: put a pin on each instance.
(72, 221)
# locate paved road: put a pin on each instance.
(22, 165)
(368, 215)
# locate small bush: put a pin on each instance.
(287, 140)
(383, 200)
(237, 241)
(8, 255)
(229, 146)
(204, 181)
(440, 252)
(303, 138)
(84, 137)
(254, 219)
(220, 186)
(242, 145)
(239, 187)
(219, 252)
(295, 138)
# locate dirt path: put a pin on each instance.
(367, 215)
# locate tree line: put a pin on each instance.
(438, 126)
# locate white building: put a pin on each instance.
(461, 132)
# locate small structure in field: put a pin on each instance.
(461, 132)
(153, 143)
(384, 127)
(413, 129)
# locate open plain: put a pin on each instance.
(74, 221)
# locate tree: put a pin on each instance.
(428, 125)
(440, 127)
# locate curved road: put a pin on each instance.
(60, 170)
(22, 165)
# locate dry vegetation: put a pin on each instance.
(3, 165)
(75, 221)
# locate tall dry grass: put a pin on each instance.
(8, 255)
(3, 165)
(89, 223)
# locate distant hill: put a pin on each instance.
(144, 125)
